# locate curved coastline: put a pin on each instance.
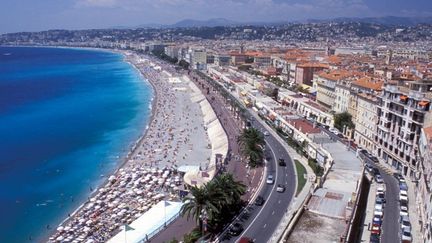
(175, 136)
(122, 161)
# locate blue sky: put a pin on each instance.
(32, 15)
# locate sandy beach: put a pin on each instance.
(175, 137)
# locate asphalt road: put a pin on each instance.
(261, 221)
(390, 225)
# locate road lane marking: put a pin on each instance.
(271, 193)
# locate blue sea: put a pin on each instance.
(67, 118)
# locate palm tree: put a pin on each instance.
(233, 190)
(199, 202)
(251, 142)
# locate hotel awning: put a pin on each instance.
(246, 102)
(243, 93)
(272, 117)
(403, 97)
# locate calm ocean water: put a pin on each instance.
(65, 117)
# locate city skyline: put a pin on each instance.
(87, 14)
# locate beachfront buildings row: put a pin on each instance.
(387, 94)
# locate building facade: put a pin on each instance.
(403, 111)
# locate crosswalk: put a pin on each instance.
(385, 169)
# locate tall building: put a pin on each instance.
(424, 189)
(404, 109)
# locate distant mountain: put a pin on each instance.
(387, 20)
(201, 23)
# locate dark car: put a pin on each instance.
(374, 159)
(374, 238)
(282, 162)
(236, 229)
(259, 201)
(379, 200)
(376, 172)
(398, 176)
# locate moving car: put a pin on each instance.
(245, 240)
(270, 179)
(280, 188)
(266, 133)
(259, 201)
(235, 229)
(282, 162)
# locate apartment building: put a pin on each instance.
(404, 109)
(343, 94)
(305, 71)
(198, 59)
(365, 121)
(325, 85)
(424, 188)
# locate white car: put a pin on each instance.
(380, 189)
(270, 179)
(406, 235)
(266, 133)
(403, 198)
(334, 130)
(378, 207)
(403, 212)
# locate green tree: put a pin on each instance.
(251, 142)
(343, 119)
(199, 202)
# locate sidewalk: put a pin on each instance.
(370, 208)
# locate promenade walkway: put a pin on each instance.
(232, 126)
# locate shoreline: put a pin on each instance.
(155, 142)
(122, 161)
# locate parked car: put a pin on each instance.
(374, 159)
(403, 186)
(378, 214)
(235, 229)
(377, 221)
(282, 162)
(380, 195)
(406, 235)
(376, 229)
(369, 168)
(266, 133)
(379, 179)
(405, 222)
(403, 212)
(376, 171)
(259, 201)
(280, 188)
(403, 204)
(270, 179)
(374, 238)
(380, 201)
(334, 130)
(380, 189)
(378, 207)
(397, 176)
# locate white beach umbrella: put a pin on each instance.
(60, 228)
(60, 238)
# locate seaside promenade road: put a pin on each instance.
(263, 220)
(232, 126)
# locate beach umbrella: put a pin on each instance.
(60, 228)
(60, 238)
(89, 222)
(92, 199)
